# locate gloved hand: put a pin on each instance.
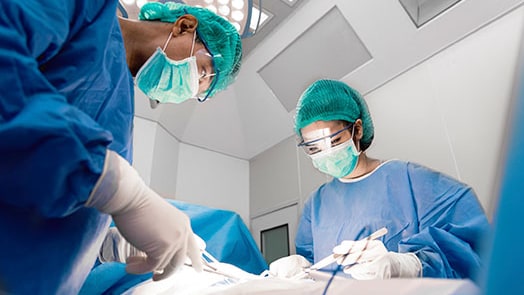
(144, 219)
(289, 266)
(116, 249)
(359, 251)
(389, 265)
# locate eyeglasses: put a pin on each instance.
(208, 74)
(325, 142)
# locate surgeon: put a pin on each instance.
(66, 122)
(434, 223)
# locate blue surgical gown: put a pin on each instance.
(66, 96)
(426, 213)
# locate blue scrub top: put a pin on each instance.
(66, 96)
(426, 213)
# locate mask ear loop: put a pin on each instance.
(193, 45)
(167, 41)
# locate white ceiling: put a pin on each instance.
(248, 118)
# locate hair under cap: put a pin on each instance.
(330, 100)
(218, 35)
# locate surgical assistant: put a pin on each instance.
(435, 223)
(66, 114)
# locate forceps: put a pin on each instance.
(334, 257)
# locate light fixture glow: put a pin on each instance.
(237, 15)
(238, 4)
(234, 11)
(236, 25)
(212, 8)
(129, 2)
(140, 3)
(224, 10)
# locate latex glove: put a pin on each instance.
(289, 266)
(359, 251)
(389, 265)
(144, 219)
(116, 249)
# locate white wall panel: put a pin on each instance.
(274, 178)
(473, 85)
(212, 179)
(449, 112)
(143, 146)
(165, 164)
(408, 125)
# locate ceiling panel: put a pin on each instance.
(303, 61)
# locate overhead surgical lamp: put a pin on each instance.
(238, 12)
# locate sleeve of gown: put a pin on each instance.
(51, 153)
(452, 225)
(304, 238)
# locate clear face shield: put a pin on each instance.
(323, 140)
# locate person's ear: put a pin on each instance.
(359, 130)
(187, 23)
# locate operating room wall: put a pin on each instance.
(143, 146)
(448, 113)
(188, 173)
(213, 179)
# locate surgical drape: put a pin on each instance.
(66, 96)
(426, 212)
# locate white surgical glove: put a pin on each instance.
(116, 249)
(359, 251)
(389, 265)
(144, 219)
(289, 266)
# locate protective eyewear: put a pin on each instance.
(207, 73)
(325, 142)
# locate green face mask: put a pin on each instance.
(168, 81)
(338, 161)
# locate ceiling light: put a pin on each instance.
(236, 25)
(238, 4)
(237, 15)
(236, 12)
(224, 10)
(212, 8)
(140, 3)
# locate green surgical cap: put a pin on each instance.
(219, 36)
(330, 100)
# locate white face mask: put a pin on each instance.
(169, 81)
